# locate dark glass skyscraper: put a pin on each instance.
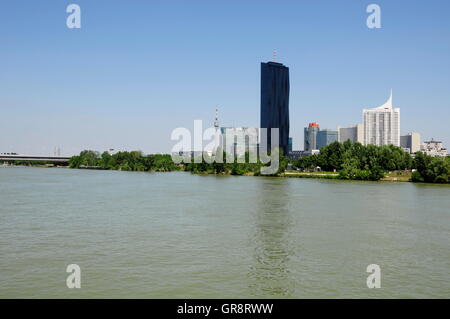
(275, 102)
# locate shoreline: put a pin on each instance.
(390, 177)
(287, 173)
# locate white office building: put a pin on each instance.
(434, 148)
(410, 142)
(382, 125)
(239, 139)
(352, 133)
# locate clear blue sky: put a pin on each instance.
(138, 69)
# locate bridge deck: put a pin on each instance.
(30, 158)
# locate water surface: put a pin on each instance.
(177, 235)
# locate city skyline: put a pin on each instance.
(118, 83)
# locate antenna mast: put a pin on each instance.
(216, 121)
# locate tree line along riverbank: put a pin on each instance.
(348, 160)
(358, 162)
(136, 161)
(351, 161)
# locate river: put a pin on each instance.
(177, 235)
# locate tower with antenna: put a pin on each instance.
(217, 136)
(216, 121)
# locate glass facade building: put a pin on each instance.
(310, 137)
(275, 103)
(326, 137)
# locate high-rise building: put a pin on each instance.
(239, 139)
(326, 137)
(290, 145)
(352, 133)
(410, 141)
(382, 125)
(310, 136)
(275, 103)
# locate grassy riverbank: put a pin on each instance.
(31, 164)
(320, 175)
(397, 177)
(389, 177)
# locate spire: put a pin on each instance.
(388, 104)
(216, 121)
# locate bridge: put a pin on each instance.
(31, 158)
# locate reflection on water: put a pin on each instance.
(269, 273)
(177, 235)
